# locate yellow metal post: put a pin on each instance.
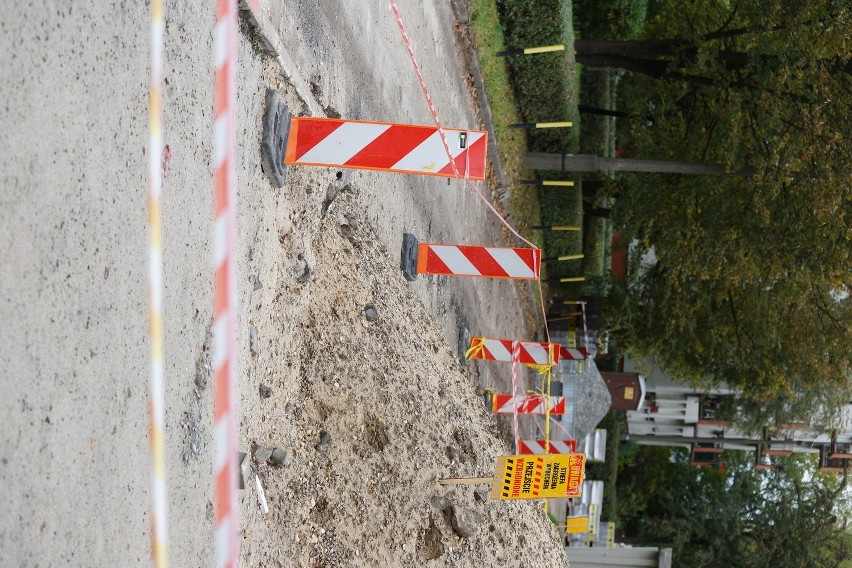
(544, 49)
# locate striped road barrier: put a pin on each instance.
(533, 447)
(384, 146)
(530, 352)
(527, 404)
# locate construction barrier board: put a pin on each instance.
(526, 404)
(538, 477)
(536, 447)
(531, 352)
(573, 353)
(577, 525)
(487, 262)
(384, 146)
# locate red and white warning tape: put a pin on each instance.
(434, 114)
(541, 428)
(470, 184)
(157, 164)
(226, 522)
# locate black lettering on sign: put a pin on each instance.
(528, 473)
(549, 476)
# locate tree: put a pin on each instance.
(751, 274)
(737, 517)
(592, 163)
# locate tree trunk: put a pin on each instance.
(602, 111)
(590, 211)
(592, 163)
(655, 68)
(646, 47)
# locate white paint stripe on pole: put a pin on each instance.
(220, 343)
(220, 439)
(344, 142)
(429, 156)
(455, 260)
(220, 43)
(220, 146)
(220, 240)
(509, 260)
(155, 261)
(498, 350)
(537, 352)
(576, 354)
(223, 543)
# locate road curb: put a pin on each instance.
(269, 37)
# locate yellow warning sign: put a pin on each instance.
(538, 476)
(577, 525)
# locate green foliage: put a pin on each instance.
(820, 406)
(610, 19)
(752, 273)
(544, 84)
(562, 206)
(740, 517)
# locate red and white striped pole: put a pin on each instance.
(226, 524)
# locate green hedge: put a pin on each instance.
(610, 19)
(562, 206)
(544, 84)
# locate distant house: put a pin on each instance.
(678, 415)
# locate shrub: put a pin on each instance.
(544, 84)
(610, 19)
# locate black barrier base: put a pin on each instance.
(464, 343)
(556, 390)
(408, 257)
(276, 129)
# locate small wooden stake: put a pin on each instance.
(464, 480)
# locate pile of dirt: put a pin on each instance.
(369, 407)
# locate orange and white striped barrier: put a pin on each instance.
(157, 163)
(385, 146)
(462, 260)
(534, 447)
(530, 352)
(226, 514)
(573, 353)
(489, 262)
(527, 404)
